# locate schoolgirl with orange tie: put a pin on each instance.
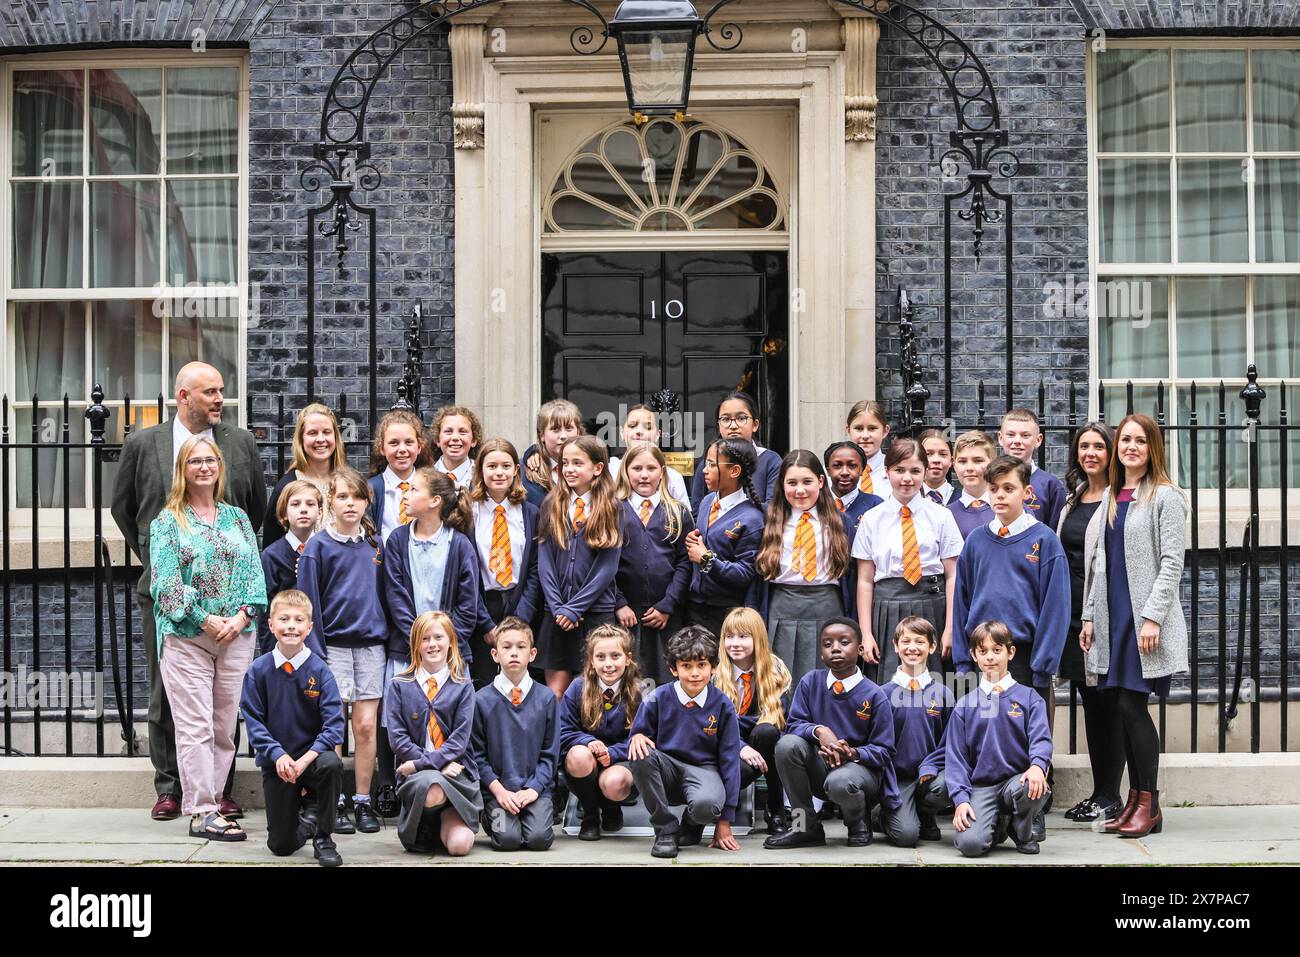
(867, 426)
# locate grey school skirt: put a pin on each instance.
(795, 614)
(892, 600)
(463, 796)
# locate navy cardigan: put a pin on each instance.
(652, 573)
(460, 598)
(406, 713)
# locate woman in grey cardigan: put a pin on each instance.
(1134, 633)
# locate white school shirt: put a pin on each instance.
(849, 499)
(880, 486)
(903, 679)
(485, 514)
(462, 475)
(787, 575)
(944, 490)
(1005, 683)
(392, 501)
(297, 660)
(181, 435)
(342, 539)
(850, 682)
(880, 536)
(676, 484)
(502, 684)
(967, 498)
(586, 508)
(1016, 527)
(727, 503)
(635, 501)
(422, 679)
(683, 697)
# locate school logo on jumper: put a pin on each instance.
(712, 726)
(933, 711)
(735, 531)
(1014, 711)
(864, 713)
(311, 691)
(1033, 552)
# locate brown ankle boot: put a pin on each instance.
(1114, 824)
(1143, 822)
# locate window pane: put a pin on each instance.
(50, 350)
(1132, 327)
(1211, 90)
(1134, 211)
(1277, 326)
(124, 245)
(203, 120)
(126, 344)
(51, 463)
(1133, 101)
(1277, 211)
(1211, 327)
(48, 109)
(47, 235)
(1144, 401)
(202, 225)
(125, 121)
(208, 330)
(1221, 459)
(1276, 99)
(1211, 211)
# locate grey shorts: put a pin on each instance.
(358, 671)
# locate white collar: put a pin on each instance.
(586, 500)
(297, 660)
(180, 434)
(295, 541)
(614, 687)
(338, 536)
(849, 499)
(699, 699)
(441, 675)
(918, 501)
(1004, 683)
(737, 671)
(442, 534)
(758, 450)
(903, 679)
(460, 471)
(636, 501)
(797, 513)
(735, 498)
(1015, 528)
(967, 497)
(877, 461)
(1033, 466)
(502, 684)
(391, 479)
(850, 682)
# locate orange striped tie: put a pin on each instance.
(866, 485)
(747, 696)
(516, 696)
(977, 503)
(302, 547)
(839, 504)
(646, 508)
(288, 667)
(805, 548)
(579, 514)
(838, 687)
(914, 685)
(435, 729)
(452, 476)
(403, 517)
(713, 512)
(911, 554)
(1003, 532)
(499, 558)
(997, 689)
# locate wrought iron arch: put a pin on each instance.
(342, 153)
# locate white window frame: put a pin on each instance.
(1099, 272)
(9, 296)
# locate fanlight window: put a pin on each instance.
(664, 176)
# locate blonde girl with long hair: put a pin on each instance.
(758, 684)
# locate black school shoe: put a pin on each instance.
(814, 837)
(688, 835)
(1038, 832)
(343, 821)
(326, 854)
(665, 846)
(611, 817)
(559, 801)
(386, 803)
(367, 820)
(590, 829)
(930, 828)
(859, 834)
(778, 823)
(1029, 847)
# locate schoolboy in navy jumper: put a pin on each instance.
(596, 716)
(997, 749)
(340, 573)
(654, 570)
(921, 707)
(516, 745)
(430, 709)
(298, 511)
(1020, 436)
(729, 529)
(738, 419)
(685, 749)
(294, 717)
(838, 745)
(972, 453)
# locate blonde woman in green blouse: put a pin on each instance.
(208, 589)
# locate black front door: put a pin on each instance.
(619, 326)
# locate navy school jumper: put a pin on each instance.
(520, 746)
(280, 569)
(460, 598)
(734, 539)
(612, 729)
(344, 581)
(406, 713)
(291, 713)
(578, 579)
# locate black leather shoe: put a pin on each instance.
(308, 814)
(688, 835)
(590, 829)
(930, 828)
(859, 834)
(1029, 847)
(611, 818)
(790, 839)
(665, 846)
(386, 803)
(1095, 810)
(367, 819)
(326, 854)
(1038, 832)
(343, 821)
(1085, 806)
(778, 823)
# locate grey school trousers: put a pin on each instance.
(664, 781)
(805, 774)
(1010, 797)
(530, 829)
(903, 827)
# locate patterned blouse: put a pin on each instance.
(208, 570)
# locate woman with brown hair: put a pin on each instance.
(317, 454)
